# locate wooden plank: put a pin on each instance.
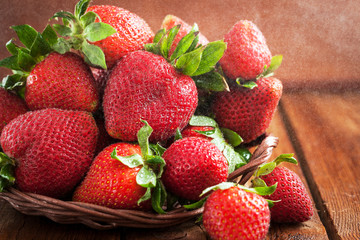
(312, 229)
(326, 130)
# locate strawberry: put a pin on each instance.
(171, 21)
(292, 203)
(46, 78)
(61, 81)
(246, 111)
(295, 204)
(104, 138)
(111, 183)
(11, 106)
(144, 85)
(233, 213)
(193, 164)
(52, 149)
(247, 53)
(132, 32)
(124, 175)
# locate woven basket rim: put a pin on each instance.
(99, 217)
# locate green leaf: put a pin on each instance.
(166, 42)
(145, 197)
(266, 168)
(50, 35)
(246, 84)
(97, 31)
(262, 191)
(232, 137)
(197, 204)
(6, 171)
(208, 133)
(143, 138)
(258, 182)
(158, 149)
(62, 30)
(69, 17)
(157, 162)
(160, 34)
(202, 121)
(244, 153)
(152, 47)
(40, 47)
(10, 62)
(212, 81)
(234, 159)
(11, 82)
(158, 197)
(271, 203)
(61, 46)
(178, 135)
(289, 157)
(189, 62)
(183, 45)
(274, 64)
(26, 34)
(81, 7)
(12, 47)
(88, 18)
(222, 186)
(146, 177)
(94, 55)
(211, 55)
(231, 157)
(131, 161)
(25, 61)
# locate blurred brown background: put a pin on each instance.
(320, 40)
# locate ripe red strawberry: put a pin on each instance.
(132, 32)
(193, 164)
(52, 149)
(235, 214)
(11, 106)
(246, 111)
(61, 81)
(112, 184)
(171, 21)
(295, 204)
(104, 138)
(145, 86)
(247, 52)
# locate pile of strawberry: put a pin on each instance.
(101, 110)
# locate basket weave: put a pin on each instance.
(98, 217)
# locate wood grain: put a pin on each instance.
(326, 130)
(312, 229)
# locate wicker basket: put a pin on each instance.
(98, 217)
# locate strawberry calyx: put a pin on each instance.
(224, 139)
(268, 72)
(152, 166)
(262, 191)
(267, 168)
(191, 58)
(78, 30)
(7, 165)
(36, 46)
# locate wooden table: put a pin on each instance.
(321, 128)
